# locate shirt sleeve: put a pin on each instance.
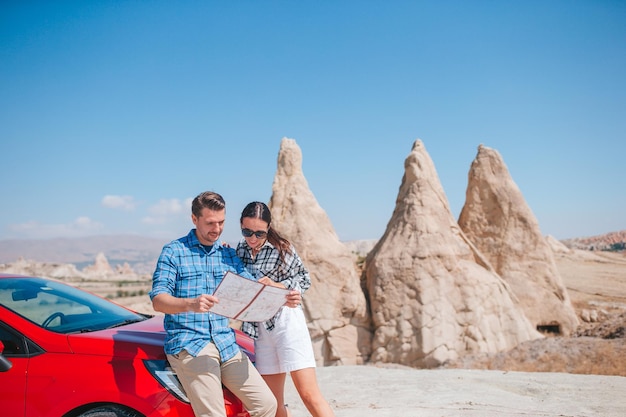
(230, 257)
(300, 278)
(164, 277)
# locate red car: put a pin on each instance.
(65, 352)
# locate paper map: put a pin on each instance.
(247, 300)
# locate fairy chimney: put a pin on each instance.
(498, 221)
(335, 304)
(100, 267)
(433, 296)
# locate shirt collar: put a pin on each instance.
(193, 241)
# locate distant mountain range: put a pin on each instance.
(607, 241)
(141, 253)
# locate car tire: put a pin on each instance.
(110, 411)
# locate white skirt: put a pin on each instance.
(287, 347)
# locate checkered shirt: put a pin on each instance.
(291, 273)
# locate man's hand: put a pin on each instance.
(168, 304)
(203, 303)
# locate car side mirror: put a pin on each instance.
(5, 364)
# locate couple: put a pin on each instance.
(200, 345)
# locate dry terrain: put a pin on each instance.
(596, 283)
(540, 378)
(578, 376)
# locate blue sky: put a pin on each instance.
(114, 114)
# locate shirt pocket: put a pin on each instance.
(191, 282)
(217, 275)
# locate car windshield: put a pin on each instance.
(62, 308)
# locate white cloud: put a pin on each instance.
(123, 202)
(167, 207)
(153, 220)
(166, 210)
(81, 226)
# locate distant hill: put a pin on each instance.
(139, 252)
(615, 241)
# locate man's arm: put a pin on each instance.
(168, 304)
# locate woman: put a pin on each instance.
(282, 344)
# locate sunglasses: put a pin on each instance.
(260, 234)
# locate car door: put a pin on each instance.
(13, 380)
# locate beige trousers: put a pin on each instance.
(202, 377)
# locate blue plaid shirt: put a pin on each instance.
(187, 269)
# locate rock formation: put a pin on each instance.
(498, 221)
(556, 245)
(124, 269)
(100, 267)
(99, 270)
(31, 268)
(335, 304)
(433, 296)
(360, 247)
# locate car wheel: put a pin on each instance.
(110, 411)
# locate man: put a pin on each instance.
(200, 346)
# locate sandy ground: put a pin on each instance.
(595, 278)
(362, 391)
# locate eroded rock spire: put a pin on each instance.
(498, 221)
(433, 296)
(335, 304)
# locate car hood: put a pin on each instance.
(142, 340)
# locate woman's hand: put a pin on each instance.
(271, 282)
(294, 299)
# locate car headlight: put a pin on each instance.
(162, 372)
